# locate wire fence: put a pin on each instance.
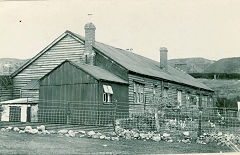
(143, 118)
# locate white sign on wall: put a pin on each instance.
(238, 106)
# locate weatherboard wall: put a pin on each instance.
(6, 92)
(66, 48)
(29, 93)
(172, 90)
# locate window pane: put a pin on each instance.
(134, 87)
(179, 98)
(165, 94)
(135, 97)
(142, 98)
(104, 97)
(138, 97)
(109, 97)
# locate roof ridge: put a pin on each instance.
(186, 78)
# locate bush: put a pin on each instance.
(142, 122)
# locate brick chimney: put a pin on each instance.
(89, 42)
(163, 58)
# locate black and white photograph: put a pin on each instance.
(119, 77)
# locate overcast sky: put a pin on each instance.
(188, 28)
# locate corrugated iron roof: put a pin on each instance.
(99, 73)
(32, 85)
(131, 61)
(145, 66)
(95, 71)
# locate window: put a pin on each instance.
(179, 97)
(86, 59)
(197, 100)
(210, 104)
(107, 95)
(165, 92)
(204, 101)
(187, 97)
(154, 89)
(138, 93)
(192, 100)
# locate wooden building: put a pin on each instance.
(6, 88)
(48, 77)
(86, 92)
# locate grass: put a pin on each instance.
(15, 143)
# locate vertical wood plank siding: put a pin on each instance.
(119, 103)
(68, 89)
(66, 48)
(148, 91)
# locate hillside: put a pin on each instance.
(223, 88)
(9, 65)
(191, 65)
(227, 91)
(226, 65)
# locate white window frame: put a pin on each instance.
(138, 92)
(165, 92)
(187, 97)
(179, 97)
(198, 100)
(107, 94)
(154, 89)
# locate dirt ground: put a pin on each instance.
(15, 143)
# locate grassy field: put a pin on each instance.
(15, 143)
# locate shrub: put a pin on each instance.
(142, 122)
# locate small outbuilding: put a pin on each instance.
(19, 110)
(81, 94)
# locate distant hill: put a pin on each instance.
(191, 65)
(9, 65)
(226, 65)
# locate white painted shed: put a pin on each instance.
(19, 110)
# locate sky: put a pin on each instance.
(188, 28)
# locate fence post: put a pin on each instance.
(200, 122)
(68, 112)
(114, 115)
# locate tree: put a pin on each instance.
(158, 106)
